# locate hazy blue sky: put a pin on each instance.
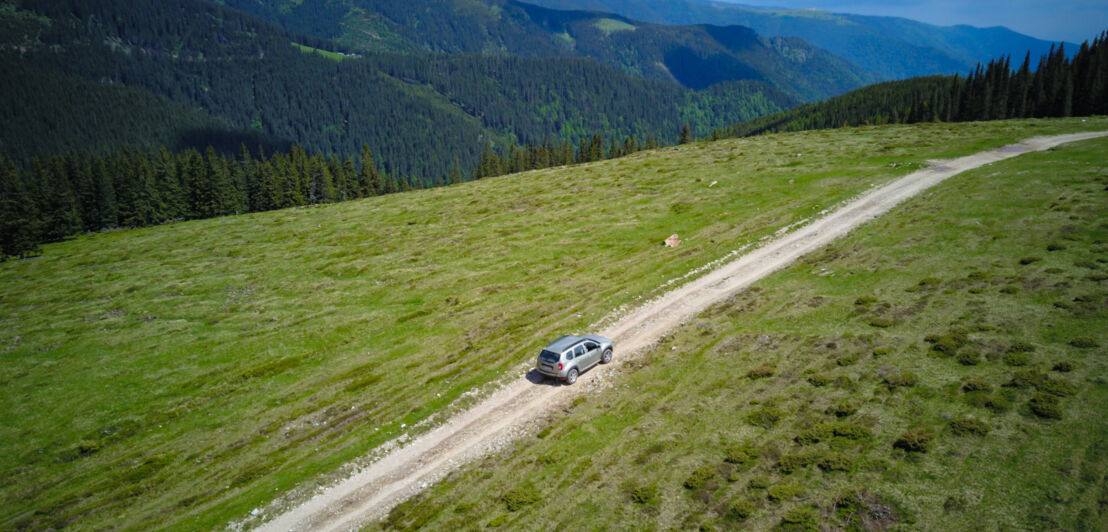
(1070, 20)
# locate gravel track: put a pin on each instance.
(499, 419)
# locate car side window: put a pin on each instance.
(580, 350)
(591, 345)
(569, 354)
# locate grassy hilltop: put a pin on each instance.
(180, 376)
(941, 368)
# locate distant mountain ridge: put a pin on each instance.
(694, 55)
(893, 48)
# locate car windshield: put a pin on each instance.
(549, 356)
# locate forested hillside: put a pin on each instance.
(695, 56)
(1057, 87)
(894, 48)
(247, 74)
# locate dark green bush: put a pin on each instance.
(1084, 342)
(804, 519)
(760, 372)
(740, 510)
(765, 417)
(914, 440)
(1010, 289)
(760, 482)
(814, 435)
(1056, 386)
(1025, 379)
(865, 301)
(739, 455)
(998, 404)
(1054, 246)
(881, 322)
(645, 495)
(906, 379)
(699, 477)
(791, 463)
(843, 408)
(1021, 346)
(968, 426)
(847, 360)
(519, 497)
(976, 385)
(1029, 260)
(783, 492)
(850, 431)
(834, 462)
(880, 352)
(498, 521)
(1064, 366)
(1045, 406)
(1017, 359)
(819, 380)
(969, 357)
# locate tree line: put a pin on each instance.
(58, 196)
(1057, 87)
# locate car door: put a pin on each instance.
(592, 352)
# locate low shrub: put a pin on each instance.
(880, 322)
(998, 404)
(1084, 342)
(1017, 359)
(834, 462)
(765, 417)
(790, 463)
(783, 492)
(1056, 386)
(1064, 366)
(1045, 406)
(519, 497)
(740, 510)
(865, 301)
(1029, 260)
(948, 344)
(1025, 379)
(843, 408)
(906, 379)
(1020, 346)
(1054, 246)
(498, 521)
(880, 352)
(819, 380)
(760, 372)
(699, 477)
(739, 455)
(969, 357)
(645, 495)
(969, 427)
(976, 385)
(914, 440)
(814, 435)
(847, 360)
(760, 482)
(804, 518)
(850, 431)
(1010, 289)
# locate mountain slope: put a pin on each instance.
(695, 56)
(893, 48)
(246, 72)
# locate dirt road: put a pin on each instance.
(492, 423)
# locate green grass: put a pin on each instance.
(611, 25)
(334, 56)
(682, 439)
(179, 376)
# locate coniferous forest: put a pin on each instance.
(1056, 87)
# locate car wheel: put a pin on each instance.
(571, 377)
(606, 357)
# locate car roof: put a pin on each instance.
(563, 342)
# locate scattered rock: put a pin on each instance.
(673, 241)
(713, 184)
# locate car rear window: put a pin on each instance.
(548, 356)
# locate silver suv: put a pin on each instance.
(569, 356)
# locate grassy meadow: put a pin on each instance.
(941, 368)
(177, 377)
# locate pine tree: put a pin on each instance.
(20, 226)
(686, 134)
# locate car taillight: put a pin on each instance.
(559, 366)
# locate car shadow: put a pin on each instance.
(534, 377)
